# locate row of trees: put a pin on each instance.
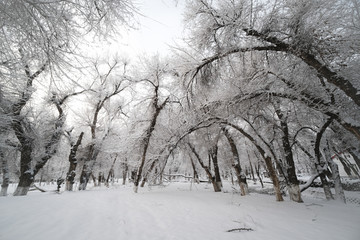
(259, 85)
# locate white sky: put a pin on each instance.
(160, 26)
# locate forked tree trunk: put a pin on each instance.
(27, 171)
(212, 179)
(267, 159)
(70, 176)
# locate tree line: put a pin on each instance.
(255, 85)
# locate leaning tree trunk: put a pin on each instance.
(145, 178)
(355, 156)
(274, 178)
(111, 174)
(87, 170)
(321, 165)
(236, 163)
(195, 174)
(146, 139)
(70, 177)
(212, 179)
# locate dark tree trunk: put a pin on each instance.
(257, 170)
(145, 178)
(70, 177)
(216, 187)
(85, 176)
(111, 174)
(5, 172)
(87, 170)
(125, 171)
(348, 168)
(26, 172)
(320, 162)
(148, 133)
(195, 174)
(355, 157)
(267, 159)
(213, 151)
(293, 182)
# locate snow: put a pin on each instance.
(176, 211)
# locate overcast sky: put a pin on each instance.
(160, 26)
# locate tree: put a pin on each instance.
(298, 31)
(37, 37)
(109, 86)
(156, 107)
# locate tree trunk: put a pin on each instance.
(26, 172)
(320, 164)
(111, 173)
(145, 178)
(213, 155)
(355, 157)
(274, 179)
(5, 172)
(70, 176)
(87, 170)
(236, 163)
(146, 139)
(339, 191)
(212, 179)
(348, 168)
(266, 158)
(195, 174)
(85, 176)
(293, 182)
(257, 170)
(125, 171)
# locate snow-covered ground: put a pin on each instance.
(177, 211)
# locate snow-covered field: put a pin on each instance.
(177, 211)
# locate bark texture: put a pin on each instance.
(70, 177)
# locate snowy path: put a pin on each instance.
(173, 212)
